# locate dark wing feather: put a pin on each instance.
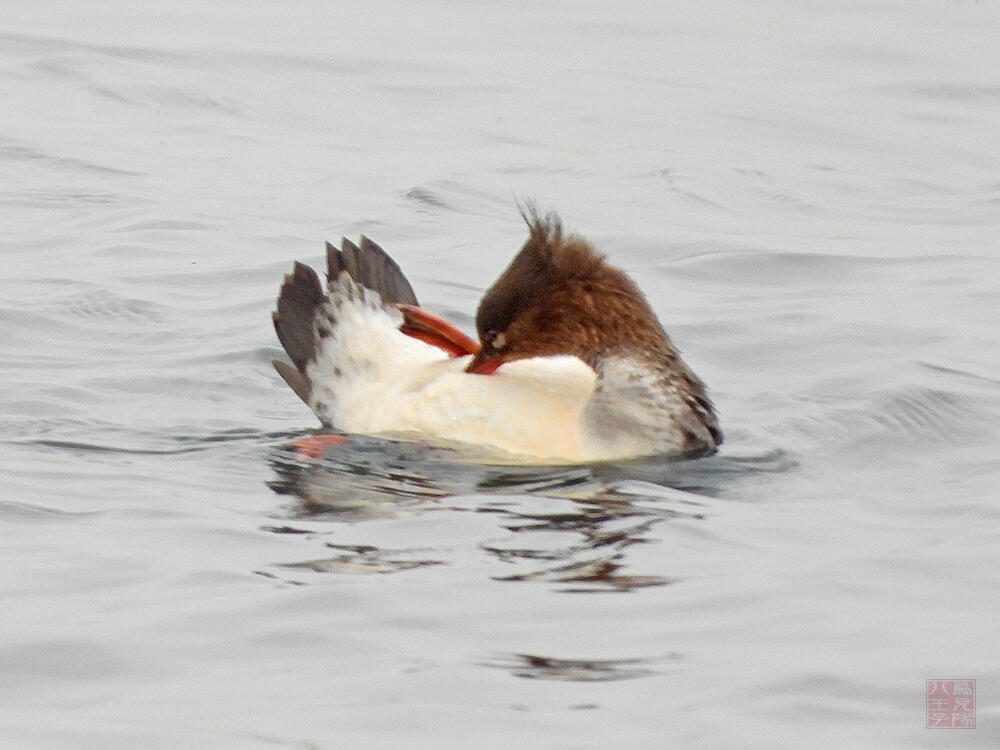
(371, 267)
(296, 380)
(302, 297)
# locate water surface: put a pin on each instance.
(808, 193)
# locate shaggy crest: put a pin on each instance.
(550, 259)
(564, 256)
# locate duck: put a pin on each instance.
(569, 365)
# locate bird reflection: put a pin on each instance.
(572, 526)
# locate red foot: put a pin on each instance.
(315, 445)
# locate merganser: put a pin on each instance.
(571, 363)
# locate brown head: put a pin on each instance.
(560, 296)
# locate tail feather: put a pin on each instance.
(371, 267)
(302, 299)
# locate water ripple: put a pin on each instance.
(357, 559)
(537, 667)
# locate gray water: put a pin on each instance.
(809, 193)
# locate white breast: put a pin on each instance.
(369, 378)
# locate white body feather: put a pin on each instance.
(369, 378)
